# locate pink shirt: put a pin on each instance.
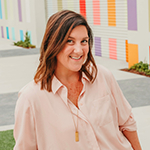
(43, 120)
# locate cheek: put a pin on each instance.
(86, 50)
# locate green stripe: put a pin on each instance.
(59, 4)
(5, 4)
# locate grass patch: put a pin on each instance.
(7, 141)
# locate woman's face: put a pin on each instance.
(74, 53)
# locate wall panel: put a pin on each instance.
(19, 10)
(83, 7)
(96, 12)
(59, 4)
(112, 48)
(133, 56)
(6, 13)
(132, 14)
(2, 32)
(111, 4)
(21, 35)
(7, 32)
(97, 44)
(1, 16)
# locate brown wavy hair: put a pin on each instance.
(58, 29)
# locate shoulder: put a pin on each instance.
(29, 89)
(103, 72)
(29, 93)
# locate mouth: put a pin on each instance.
(75, 58)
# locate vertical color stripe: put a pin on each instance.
(21, 35)
(2, 31)
(0, 10)
(19, 10)
(29, 33)
(27, 6)
(83, 7)
(7, 32)
(133, 54)
(5, 5)
(11, 2)
(112, 49)
(126, 50)
(13, 33)
(111, 5)
(59, 4)
(132, 15)
(149, 57)
(96, 12)
(98, 46)
(149, 13)
(70, 4)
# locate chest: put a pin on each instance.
(74, 93)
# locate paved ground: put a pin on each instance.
(18, 66)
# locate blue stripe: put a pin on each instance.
(13, 33)
(29, 33)
(7, 32)
(21, 35)
(0, 10)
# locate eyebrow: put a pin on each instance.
(82, 38)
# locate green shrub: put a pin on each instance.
(141, 67)
(26, 43)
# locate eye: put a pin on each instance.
(84, 41)
(70, 41)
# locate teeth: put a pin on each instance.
(76, 58)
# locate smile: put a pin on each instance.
(76, 58)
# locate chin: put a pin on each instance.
(76, 69)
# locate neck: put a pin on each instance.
(68, 78)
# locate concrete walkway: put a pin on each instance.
(18, 66)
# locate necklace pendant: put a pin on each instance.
(76, 136)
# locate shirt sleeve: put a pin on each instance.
(125, 116)
(24, 130)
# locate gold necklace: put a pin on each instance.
(76, 127)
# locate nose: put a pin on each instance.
(78, 48)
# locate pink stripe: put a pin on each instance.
(96, 12)
(112, 49)
(19, 10)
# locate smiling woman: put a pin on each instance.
(72, 103)
(71, 58)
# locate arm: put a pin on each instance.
(24, 129)
(133, 139)
(126, 121)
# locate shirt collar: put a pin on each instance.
(56, 84)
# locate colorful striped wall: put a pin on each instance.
(13, 24)
(114, 24)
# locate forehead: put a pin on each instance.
(80, 30)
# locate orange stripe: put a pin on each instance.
(133, 57)
(111, 5)
(126, 50)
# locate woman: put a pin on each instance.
(72, 104)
